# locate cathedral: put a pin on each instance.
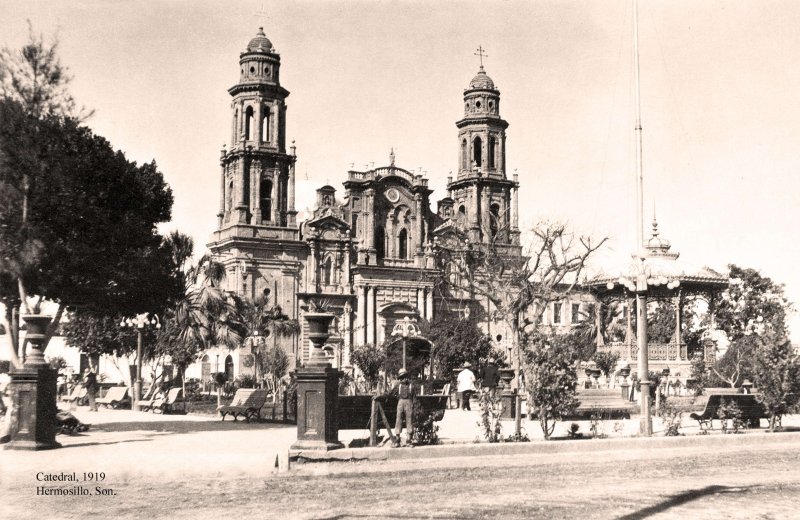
(366, 252)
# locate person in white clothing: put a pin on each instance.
(466, 385)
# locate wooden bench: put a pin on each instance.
(247, 402)
(602, 402)
(752, 410)
(78, 395)
(164, 403)
(115, 397)
(353, 411)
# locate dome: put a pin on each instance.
(481, 80)
(658, 246)
(260, 42)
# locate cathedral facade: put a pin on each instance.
(367, 252)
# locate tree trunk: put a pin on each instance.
(12, 343)
(518, 366)
(53, 327)
(183, 386)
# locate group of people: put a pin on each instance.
(466, 382)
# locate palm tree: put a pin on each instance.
(206, 316)
(264, 319)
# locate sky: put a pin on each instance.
(719, 95)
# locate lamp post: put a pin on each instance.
(640, 283)
(404, 328)
(140, 321)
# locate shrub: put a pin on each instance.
(246, 381)
(491, 411)
(425, 429)
(220, 378)
(730, 411)
(550, 379)
(573, 432)
(672, 417)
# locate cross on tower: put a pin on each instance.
(480, 53)
(261, 13)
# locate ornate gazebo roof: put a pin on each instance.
(662, 268)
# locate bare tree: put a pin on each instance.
(518, 285)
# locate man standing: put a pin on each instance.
(404, 390)
(466, 385)
(90, 383)
(489, 378)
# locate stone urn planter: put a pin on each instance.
(37, 332)
(318, 325)
(506, 376)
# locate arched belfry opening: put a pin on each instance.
(477, 152)
(490, 152)
(265, 200)
(494, 219)
(248, 123)
(464, 155)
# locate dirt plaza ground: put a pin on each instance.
(198, 467)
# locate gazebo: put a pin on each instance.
(667, 279)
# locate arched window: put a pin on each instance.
(235, 125)
(327, 271)
(490, 152)
(265, 126)
(477, 152)
(248, 123)
(229, 367)
(265, 199)
(462, 214)
(229, 198)
(402, 245)
(354, 225)
(494, 219)
(380, 242)
(464, 155)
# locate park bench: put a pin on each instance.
(78, 395)
(247, 402)
(115, 397)
(752, 411)
(603, 403)
(164, 403)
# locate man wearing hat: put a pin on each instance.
(466, 385)
(489, 378)
(404, 390)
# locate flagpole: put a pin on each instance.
(638, 133)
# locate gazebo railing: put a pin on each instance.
(658, 351)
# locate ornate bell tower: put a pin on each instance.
(257, 173)
(481, 193)
(257, 238)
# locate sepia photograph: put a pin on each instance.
(345, 259)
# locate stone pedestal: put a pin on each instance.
(509, 400)
(317, 393)
(33, 413)
(33, 394)
(317, 389)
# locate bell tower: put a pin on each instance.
(257, 186)
(484, 199)
(257, 238)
